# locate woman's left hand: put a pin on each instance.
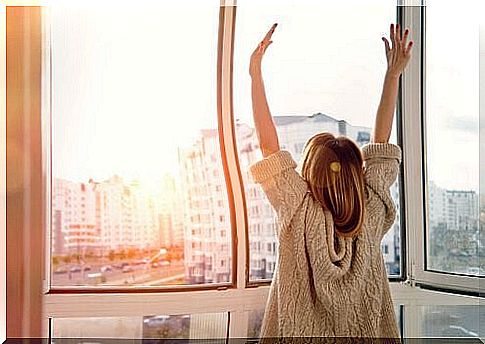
(257, 55)
(399, 54)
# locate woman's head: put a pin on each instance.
(333, 168)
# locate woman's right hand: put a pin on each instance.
(399, 54)
(258, 53)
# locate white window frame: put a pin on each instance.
(414, 150)
(241, 300)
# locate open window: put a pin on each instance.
(323, 73)
(115, 99)
(441, 94)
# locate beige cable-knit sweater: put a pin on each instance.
(325, 285)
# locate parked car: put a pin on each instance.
(156, 321)
(75, 268)
(87, 268)
(154, 265)
(96, 278)
(106, 268)
(60, 270)
(474, 270)
(142, 261)
(127, 268)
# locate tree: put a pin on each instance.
(131, 253)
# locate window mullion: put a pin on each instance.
(412, 147)
(225, 102)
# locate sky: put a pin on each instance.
(130, 84)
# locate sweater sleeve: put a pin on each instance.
(282, 184)
(380, 172)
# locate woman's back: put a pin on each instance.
(324, 284)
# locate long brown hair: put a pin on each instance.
(333, 169)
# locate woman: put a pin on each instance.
(330, 279)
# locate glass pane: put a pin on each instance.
(450, 321)
(138, 189)
(452, 138)
(315, 81)
(193, 326)
(255, 319)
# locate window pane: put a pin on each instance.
(315, 81)
(255, 319)
(452, 138)
(193, 326)
(450, 321)
(138, 189)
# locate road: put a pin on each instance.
(141, 274)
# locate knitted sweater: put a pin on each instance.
(325, 285)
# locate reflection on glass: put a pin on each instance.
(315, 81)
(193, 326)
(452, 135)
(138, 189)
(450, 321)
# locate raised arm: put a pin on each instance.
(263, 122)
(397, 58)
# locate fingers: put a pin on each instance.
(386, 43)
(398, 42)
(264, 44)
(268, 35)
(392, 35)
(409, 47)
(405, 38)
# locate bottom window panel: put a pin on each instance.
(255, 319)
(187, 326)
(450, 321)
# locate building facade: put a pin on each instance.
(207, 229)
(97, 217)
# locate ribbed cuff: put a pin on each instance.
(271, 165)
(381, 150)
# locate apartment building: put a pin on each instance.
(74, 227)
(169, 203)
(207, 227)
(98, 217)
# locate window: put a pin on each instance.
(123, 131)
(452, 139)
(193, 326)
(311, 87)
(450, 321)
(255, 319)
(91, 309)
